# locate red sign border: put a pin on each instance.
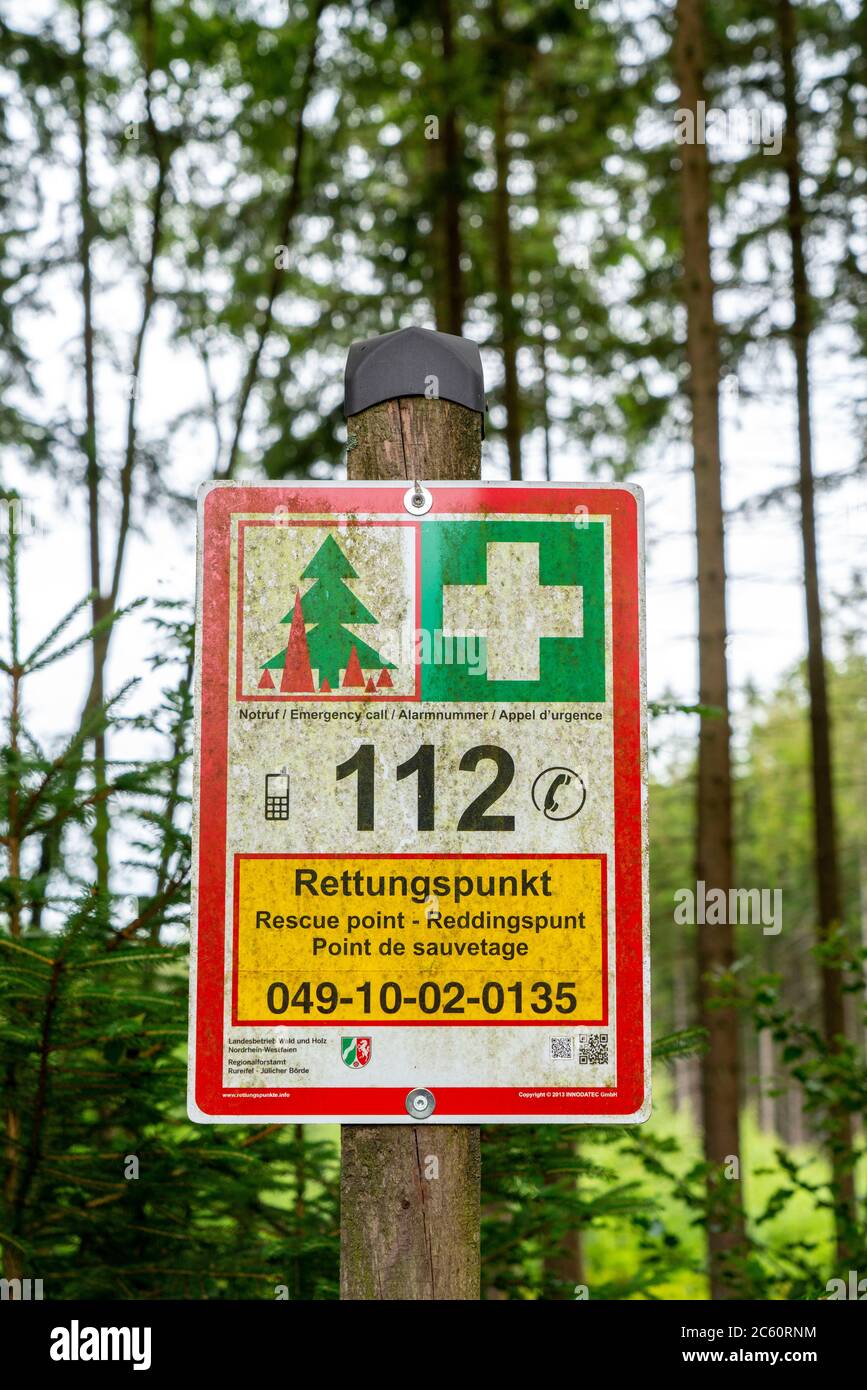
(210, 1100)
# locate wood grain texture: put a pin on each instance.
(409, 1225)
(439, 440)
(409, 1194)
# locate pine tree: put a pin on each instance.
(716, 951)
(107, 1192)
(329, 603)
(825, 831)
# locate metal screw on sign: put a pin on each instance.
(418, 499)
(420, 1104)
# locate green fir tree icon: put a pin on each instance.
(329, 604)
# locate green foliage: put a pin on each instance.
(640, 1199)
(108, 1190)
(831, 1080)
(266, 186)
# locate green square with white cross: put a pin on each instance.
(532, 593)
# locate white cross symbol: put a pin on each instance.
(513, 610)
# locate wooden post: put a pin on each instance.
(409, 1212)
(409, 1194)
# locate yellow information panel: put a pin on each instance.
(384, 939)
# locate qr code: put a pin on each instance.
(593, 1049)
(562, 1049)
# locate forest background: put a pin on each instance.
(651, 216)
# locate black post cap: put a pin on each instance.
(414, 362)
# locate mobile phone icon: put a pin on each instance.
(277, 796)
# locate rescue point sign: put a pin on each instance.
(420, 861)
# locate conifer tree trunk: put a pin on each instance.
(89, 443)
(13, 1264)
(566, 1264)
(409, 1225)
(288, 214)
(546, 414)
(716, 946)
(824, 824)
(104, 600)
(504, 265)
(453, 287)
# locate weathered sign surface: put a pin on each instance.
(419, 806)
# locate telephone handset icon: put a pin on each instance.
(551, 806)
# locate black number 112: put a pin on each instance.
(421, 764)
